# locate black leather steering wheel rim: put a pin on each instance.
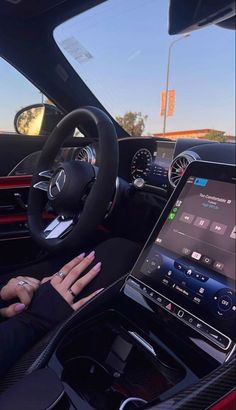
(102, 190)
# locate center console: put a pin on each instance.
(170, 324)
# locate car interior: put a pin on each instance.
(163, 335)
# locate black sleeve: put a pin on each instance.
(18, 334)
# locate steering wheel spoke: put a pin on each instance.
(42, 185)
(58, 228)
(46, 174)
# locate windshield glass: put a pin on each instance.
(120, 50)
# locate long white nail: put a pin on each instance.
(82, 255)
(97, 266)
(91, 254)
(99, 290)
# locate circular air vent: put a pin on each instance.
(86, 154)
(179, 165)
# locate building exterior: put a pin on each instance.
(195, 134)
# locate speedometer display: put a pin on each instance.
(141, 164)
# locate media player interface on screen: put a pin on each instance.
(201, 225)
(194, 253)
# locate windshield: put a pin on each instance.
(120, 50)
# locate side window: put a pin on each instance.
(16, 92)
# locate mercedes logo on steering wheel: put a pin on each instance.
(56, 184)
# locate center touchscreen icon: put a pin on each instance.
(196, 255)
(218, 228)
(187, 218)
(201, 222)
(201, 182)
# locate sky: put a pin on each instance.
(120, 48)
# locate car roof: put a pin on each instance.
(27, 43)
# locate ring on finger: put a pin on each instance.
(22, 283)
(61, 274)
(72, 293)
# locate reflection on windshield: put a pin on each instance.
(120, 50)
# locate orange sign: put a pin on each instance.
(163, 103)
(170, 103)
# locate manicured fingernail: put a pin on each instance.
(99, 290)
(82, 255)
(97, 266)
(91, 254)
(19, 307)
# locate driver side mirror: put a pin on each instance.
(37, 119)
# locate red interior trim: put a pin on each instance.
(227, 403)
(21, 181)
(9, 219)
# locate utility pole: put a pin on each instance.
(167, 79)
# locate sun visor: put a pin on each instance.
(190, 15)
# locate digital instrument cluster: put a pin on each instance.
(141, 164)
(153, 165)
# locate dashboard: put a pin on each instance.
(145, 158)
(157, 163)
(189, 265)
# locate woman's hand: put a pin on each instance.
(22, 288)
(68, 283)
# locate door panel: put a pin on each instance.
(14, 192)
(16, 245)
(15, 147)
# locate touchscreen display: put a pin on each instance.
(192, 260)
(201, 225)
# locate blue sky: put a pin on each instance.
(127, 44)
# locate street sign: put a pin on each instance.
(170, 103)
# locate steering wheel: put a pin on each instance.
(77, 192)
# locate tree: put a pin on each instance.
(133, 123)
(216, 136)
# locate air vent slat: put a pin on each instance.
(179, 165)
(86, 154)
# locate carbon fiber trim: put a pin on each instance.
(37, 356)
(20, 369)
(202, 395)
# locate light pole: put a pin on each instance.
(167, 79)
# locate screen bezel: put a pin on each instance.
(199, 169)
